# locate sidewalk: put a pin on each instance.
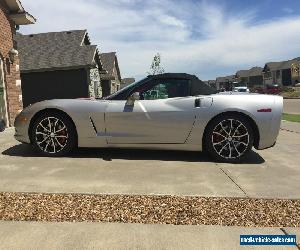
(290, 126)
(33, 235)
(291, 106)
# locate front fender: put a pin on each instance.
(80, 111)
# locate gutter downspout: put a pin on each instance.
(5, 97)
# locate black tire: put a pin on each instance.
(66, 137)
(228, 144)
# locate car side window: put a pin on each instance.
(164, 88)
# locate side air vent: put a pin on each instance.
(93, 124)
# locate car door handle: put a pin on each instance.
(197, 102)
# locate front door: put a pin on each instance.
(3, 110)
(286, 77)
(162, 115)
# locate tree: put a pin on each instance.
(155, 67)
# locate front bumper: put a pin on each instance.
(21, 138)
(21, 124)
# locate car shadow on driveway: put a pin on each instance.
(23, 150)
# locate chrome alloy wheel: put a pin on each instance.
(230, 139)
(51, 135)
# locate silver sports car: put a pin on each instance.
(167, 111)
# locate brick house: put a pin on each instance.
(59, 65)
(295, 72)
(12, 14)
(212, 83)
(250, 78)
(225, 82)
(111, 80)
(280, 73)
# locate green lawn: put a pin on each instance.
(291, 118)
(291, 94)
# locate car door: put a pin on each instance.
(164, 114)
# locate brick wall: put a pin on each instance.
(11, 71)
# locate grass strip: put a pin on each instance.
(291, 117)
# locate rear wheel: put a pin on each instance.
(229, 138)
(53, 134)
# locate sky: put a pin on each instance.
(206, 38)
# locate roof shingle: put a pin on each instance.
(109, 62)
(280, 65)
(230, 78)
(255, 71)
(55, 50)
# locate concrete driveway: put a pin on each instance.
(270, 173)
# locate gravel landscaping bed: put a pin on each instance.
(150, 209)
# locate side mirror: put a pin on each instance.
(131, 99)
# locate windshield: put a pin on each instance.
(125, 89)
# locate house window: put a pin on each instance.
(295, 69)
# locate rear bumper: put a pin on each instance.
(270, 128)
(268, 139)
(267, 146)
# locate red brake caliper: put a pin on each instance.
(62, 140)
(217, 138)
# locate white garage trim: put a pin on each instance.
(4, 92)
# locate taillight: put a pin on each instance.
(264, 110)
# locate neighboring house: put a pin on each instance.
(59, 65)
(212, 83)
(12, 14)
(127, 81)
(111, 80)
(279, 72)
(225, 82)
(295, 70)
(250, 78)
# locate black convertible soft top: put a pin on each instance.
(197, 86)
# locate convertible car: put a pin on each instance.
(168, 111)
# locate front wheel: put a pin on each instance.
(229, 138)
(53, 134)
